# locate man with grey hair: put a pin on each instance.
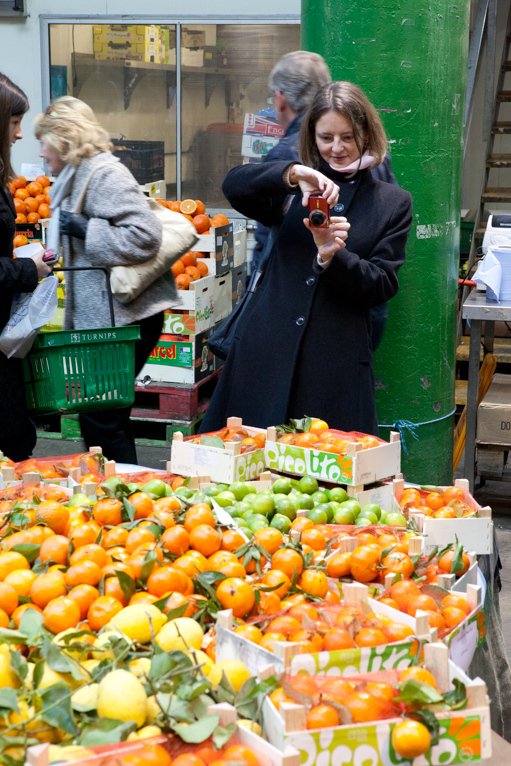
(294, 80)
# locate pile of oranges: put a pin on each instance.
(321, 437)
(449, 504)
(189, 269)
(249, 443)
(31, 200)
(195, 211)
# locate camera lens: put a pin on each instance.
(317, 218)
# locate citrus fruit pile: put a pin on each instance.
(448, 504)
(356, 699)
(31, 200)
(195, 211)
(249, 443)
(315, 433)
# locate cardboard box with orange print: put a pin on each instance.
(180, 359)
(219, 243)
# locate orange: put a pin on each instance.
(303, 610)
(192, 564)
(365, 538)
(410, 739)
(398, 563)
(107, 512)
(322, 716)
(21, 194)
(445, 563)
(314, 583)
(364, 562)
(18, 613)
(176, 540)
(142, 597)
(113, 537)
(138, 537)
(435, 501)
(250, 632)
(234, 593)
(426, 603)
(161, 202)
(453, 493)
(55, 549)
(200, 207)
(11, 560)
(150, 755)
(205, 539)
(219, 220)
(166, 579)
(189, 258)
(54, 515)
(19, 205)
(61, 614)
(19, 182)
(314, 539)
(201, 223)
(144, 505)
(269, 603)
(336, 639)
(178, 268)
(199, 514)
(183, 282)
(232, 569)
(91, 552)
(118, 566)
(288, 561)
(33, 218)
(309, 640)
(403, 592)
(43, 181)
(416, 673)
(31, 205)
(87, 572)
(84, 533)
(371, 637)
(382, 690)
(113, 588)
(175, 206)
(102, 610)
(203, 269)
(21, 580)
(242, 754)
(397, 631)
(269, 639)
(40, 199)
(412, 497)
(277, 577)
(188, 207)
(306, 440)
(436, 620)
(451, 600)
(232, 540)
(453, 616)
(271, 539)
(34, 188)
(339, 565)
(8, 598)
(279, 696)
(4, 619)
(167, 504)
(284, 624)
(193, 272)
(19, 240)
(188, 759)
(20, 218)
(364, 707)
(445, 513)
(84, 596)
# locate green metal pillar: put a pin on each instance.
(410, 58)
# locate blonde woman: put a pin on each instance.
(116, 228)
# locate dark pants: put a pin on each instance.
(17, 432)
(379, 317)
(112, 430)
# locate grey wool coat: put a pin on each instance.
(122, 231)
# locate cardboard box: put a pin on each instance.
(180, 359)
(220, 243)
(257, 146)
(192, 57)
(223, 296)
(200, 294)
(221, 465)
(178, 322)
(239, 281)
(193, 38)
(240, 247)
(34, 232)
(494, 412)
(357, 467)
(105, 33)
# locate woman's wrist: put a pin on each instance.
(293, 180)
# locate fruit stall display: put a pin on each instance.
(31, 201)
(109, 599)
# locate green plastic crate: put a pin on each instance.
(466, 232)
(81, 370)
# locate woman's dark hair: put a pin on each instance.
(13, 103)
(350, 101)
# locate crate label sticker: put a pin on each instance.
(349, 661)
(371, 745)
(204, 456)
(249, 466)
(464, 644)
(309, 462)
(177, 354)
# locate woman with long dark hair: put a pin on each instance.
(17, 432)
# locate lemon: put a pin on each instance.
(146, 731)
(87, 695)
(252, 725)
(182, 633)
(90, 665)
(235, 670)
(121, 696)
(140, 667)
(201, 658)
(153, 710)
(104, 650)
(135, 621)
(59, 640)
(7, 676)
(51, 677)
(69, 753)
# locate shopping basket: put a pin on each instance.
(82, 370)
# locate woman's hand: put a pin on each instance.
(330, 239)
(43, 269)
(313, 182)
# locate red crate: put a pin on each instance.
(174, 401)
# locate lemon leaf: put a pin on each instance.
(106, 731)
(419, 692)
(160, 665)
(19, 665)
(190, 691)
(223, 734)
(197, 732)
(9, 699)
(56, 710)
(13, 636)
(212, 441)
(31, 624)
(127, 584)
(181, 710)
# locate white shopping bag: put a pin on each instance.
(29, 312)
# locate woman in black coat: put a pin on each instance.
(303, 346)
(17, 432)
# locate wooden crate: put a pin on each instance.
(174, 401)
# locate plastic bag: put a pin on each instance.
(29, 312)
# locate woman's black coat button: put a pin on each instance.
(300, 321)
(311, 281)
(339, 208)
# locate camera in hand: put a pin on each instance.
(319, 214)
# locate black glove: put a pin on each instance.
(73, 224)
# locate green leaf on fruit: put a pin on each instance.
(29, 550)
(127, 584)
(419, 693)
(212, 441)
(56, 707)
(197, 732)
(105, 731)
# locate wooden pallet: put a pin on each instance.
(174, 401)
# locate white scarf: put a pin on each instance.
(59, 191)
(360, 164)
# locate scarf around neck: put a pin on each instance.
(60, 190)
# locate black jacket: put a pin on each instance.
(17, 434)
(303, 346)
